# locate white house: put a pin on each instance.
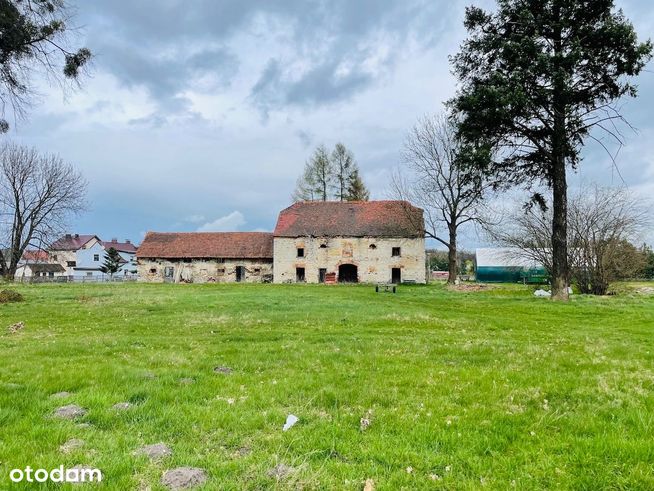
(37, 271)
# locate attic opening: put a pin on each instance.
(348, 273)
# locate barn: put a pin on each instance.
(350, 242)
(201, 257)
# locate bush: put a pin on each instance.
(7, 296)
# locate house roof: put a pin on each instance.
(71, 242)
(350, 219)
(120, 246)
(198, 245)
(45, 267)
(34, 255)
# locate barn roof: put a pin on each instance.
(206, 245)
(71, 242)
(350, 219)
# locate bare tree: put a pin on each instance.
(38, 193)
(317, 179)
(603, 224)
(433, 179)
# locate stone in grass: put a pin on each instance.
(71, 445)
(184, 478)
(157, 451)
(122, 406)
(223, 369)
(61, 395)
(281, 471)
(186, 381)
(70, 412)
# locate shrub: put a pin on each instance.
(7, 296)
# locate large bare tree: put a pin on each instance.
(603, 225)
(432, 178)
(38, 193)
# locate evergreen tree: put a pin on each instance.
(112, 261)
(537, 77)
(356, 189)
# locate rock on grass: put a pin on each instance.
(69, 412)
(122, 406)
(184, 478)
(281, 471)
(71, 445)
(61, 395)
(223, 369)
(155, 452)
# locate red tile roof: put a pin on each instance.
(350, 219)
(71, 242)
(120, 246)
(35, 256)
(198, 245)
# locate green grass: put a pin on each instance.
(493, 389)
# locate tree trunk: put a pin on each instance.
(560, 273)
(453, 270)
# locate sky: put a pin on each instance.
(199, 116)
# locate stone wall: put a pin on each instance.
(373, 258)
(203, 271)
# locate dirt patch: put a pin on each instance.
(61, 395)
(70, 412)
(223, 369)
(281, 472)
(71, 445)
(9, 296)
(184, 478)
(645, 290)
(14, 328)
(157, 451)
(469, 287)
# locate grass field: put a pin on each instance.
(493, 389)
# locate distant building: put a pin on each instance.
(334, 241)
(35, 271)
(200, 257)
(507, 265)
(127, 252)
(82, 256)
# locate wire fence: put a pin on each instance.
(76, 279)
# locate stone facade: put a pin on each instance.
(204, 270)
(374, 258)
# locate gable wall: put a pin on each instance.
(374, 264)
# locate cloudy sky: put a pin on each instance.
(200, 115)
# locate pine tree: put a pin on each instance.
(356, 189)
(111, 262)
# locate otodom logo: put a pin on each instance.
(77, 474)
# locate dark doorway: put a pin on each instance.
(169, 274)
(240, 273)
(347, 273)
(322, 273)
(299, 275)
(396, 276)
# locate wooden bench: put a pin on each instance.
(386, 287)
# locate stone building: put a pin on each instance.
(201, 257)
(368, 242)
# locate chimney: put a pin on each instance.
(68, 236)
(77, 236)
(127, 241)
(114, 241)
